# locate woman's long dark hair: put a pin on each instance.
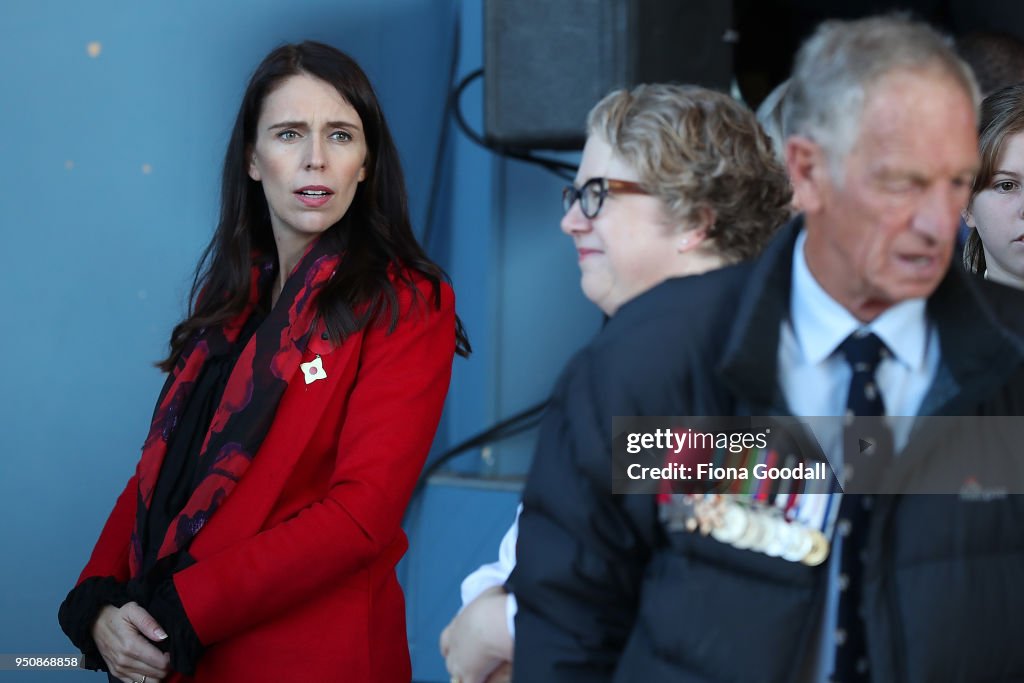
(375, 234)
(1002, 117)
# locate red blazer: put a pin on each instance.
(294, 577)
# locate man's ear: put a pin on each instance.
(807, 166)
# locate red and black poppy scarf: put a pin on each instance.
(246, 411)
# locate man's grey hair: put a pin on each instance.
(769, 115)
(840, 62)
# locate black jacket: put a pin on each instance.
(607, 593)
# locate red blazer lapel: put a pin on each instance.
(300, 414)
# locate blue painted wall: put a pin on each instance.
(109, 174)
(518, 286)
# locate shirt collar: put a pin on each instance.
(820, 323)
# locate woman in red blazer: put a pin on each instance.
(258, 539)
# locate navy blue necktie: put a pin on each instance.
(863, 352)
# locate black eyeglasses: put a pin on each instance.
(593, 192)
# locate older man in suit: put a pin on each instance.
(852, 310)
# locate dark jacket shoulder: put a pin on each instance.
(659, 351)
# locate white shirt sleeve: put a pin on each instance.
(511, 607)
(496, 573)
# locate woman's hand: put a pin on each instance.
(123, 637)
(476, 645)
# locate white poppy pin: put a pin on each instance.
(313, 370)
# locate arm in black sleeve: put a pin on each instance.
(79, 610)
(160, 598)
(581, 551)
(182, 642)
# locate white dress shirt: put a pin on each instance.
(496, 574)
(815, 381)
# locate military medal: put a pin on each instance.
(788, 519)
(734, 523)
(708, 512)
(798, 544)
(778, 537)
(754, 535)
(819, 549)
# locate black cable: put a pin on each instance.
(562, 169)
(456, 98)
(507, 428)
(529, 418)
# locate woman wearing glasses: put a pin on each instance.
(674, 181)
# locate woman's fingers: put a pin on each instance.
(124, 647)
(143, 622)
(127, 664)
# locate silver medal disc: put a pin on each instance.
(733, 524)
(754, 533)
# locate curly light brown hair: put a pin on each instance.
(699, 149)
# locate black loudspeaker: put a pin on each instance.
(547, 62)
